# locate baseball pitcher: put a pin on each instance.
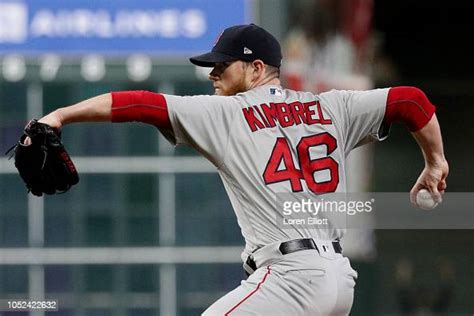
(266, 140)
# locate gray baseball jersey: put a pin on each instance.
(270, 140)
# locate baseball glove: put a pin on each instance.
(44, 165)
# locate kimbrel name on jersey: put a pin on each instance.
(284, 114)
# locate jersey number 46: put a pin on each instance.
(276, 172)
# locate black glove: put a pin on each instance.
(44, 165)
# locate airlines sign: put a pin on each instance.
(157, 27)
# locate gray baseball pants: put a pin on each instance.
(301, 283)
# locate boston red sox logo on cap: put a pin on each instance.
(242, 42)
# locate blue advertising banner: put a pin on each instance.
(115, 27)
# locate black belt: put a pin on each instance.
(305, 244)
(294, 246)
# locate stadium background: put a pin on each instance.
(148, 194)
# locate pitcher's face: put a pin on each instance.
(230, 78)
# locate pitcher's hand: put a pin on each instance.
(432, 178)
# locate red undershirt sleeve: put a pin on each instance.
(141, 106)
(410, 106)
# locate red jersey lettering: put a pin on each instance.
(297, 109)
(284, 114)
(270, 113)
(253, 122)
